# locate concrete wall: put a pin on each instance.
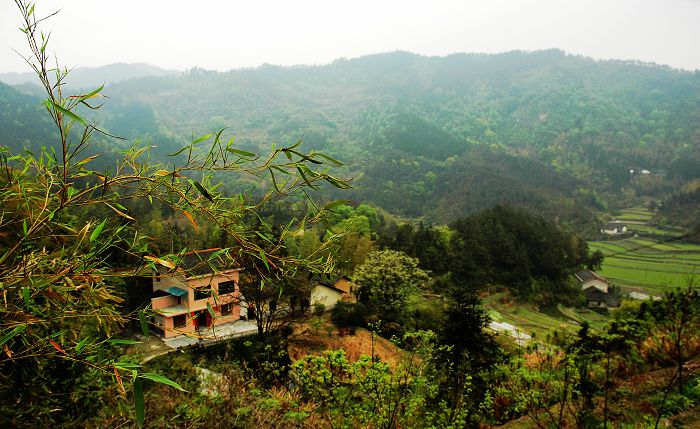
(343, 284)
(213, 283)
(164, 301)
(167, 324)
(326, 296)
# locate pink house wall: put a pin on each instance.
(166, 322)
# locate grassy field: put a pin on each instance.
(651, 263)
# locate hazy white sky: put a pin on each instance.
(222, 35)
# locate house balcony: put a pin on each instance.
(170, 302)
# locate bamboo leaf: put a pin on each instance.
(160, 379)
(161, 173)
(25, 296)
(163, 262)
(127, 366)
(119, 381)
(180, 151)
(191, 219)
(280, 169)
(335, 182)
(264, 259)
(201, 139)
(201, 189)
(333, 161)
(119, 212)
(88, 159)
(96, 233)
(17, 330)
(303, 176)
(274, 181)
(244, 153)
(89, 95)
(210, 310)
(81, 344)
(144, 323)
(218, 134)
(49, 104)
(57, 346)
(139, 408)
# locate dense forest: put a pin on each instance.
(439, 137)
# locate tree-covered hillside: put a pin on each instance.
(440, 137)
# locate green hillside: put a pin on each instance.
(440, 137)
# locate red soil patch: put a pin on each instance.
(355, 345)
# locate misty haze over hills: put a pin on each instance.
(84, 77)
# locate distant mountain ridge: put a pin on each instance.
(88, 77)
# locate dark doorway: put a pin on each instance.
(202, 320)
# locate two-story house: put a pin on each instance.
(200, 293)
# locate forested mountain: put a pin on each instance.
(440, 137)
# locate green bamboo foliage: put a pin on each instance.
(61, 220)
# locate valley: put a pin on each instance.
(389, 241)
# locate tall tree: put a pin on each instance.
(385, 281)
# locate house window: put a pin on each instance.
(227, 309)
(202, 293)
(227, 287)
(180, 321)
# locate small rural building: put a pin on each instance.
(598, 291)
(614, 229)
(183, 301)
(597, 299)
(329, 291)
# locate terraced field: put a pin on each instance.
(653, 262)
(561, 320)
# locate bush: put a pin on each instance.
(319, 309)
(346, 315)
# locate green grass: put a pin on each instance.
(648, 229)
(639, 214)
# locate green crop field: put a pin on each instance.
(637, 214)
(651, 263)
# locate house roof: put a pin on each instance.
(331, 287)
(176, 291)
(612, 226)
(588, 275)
(175, 310)
(329, 281)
